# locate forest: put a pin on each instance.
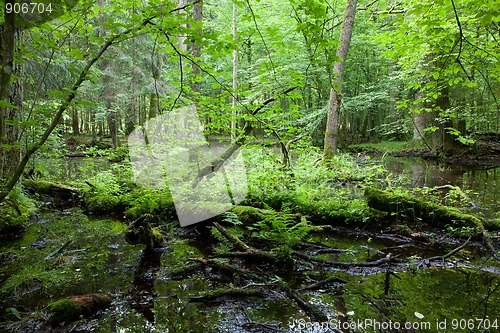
(249, 166)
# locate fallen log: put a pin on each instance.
(60, 192)
(415, 210)
(73, 308)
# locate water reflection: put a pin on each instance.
(482, 183)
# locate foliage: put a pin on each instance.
(16, 211)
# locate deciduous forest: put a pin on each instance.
(249, 166)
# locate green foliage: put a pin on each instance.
(325, 195)
(15, 211)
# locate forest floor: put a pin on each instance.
(306, 244)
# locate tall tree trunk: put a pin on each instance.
(419, 120)
(442, 141)
(75, 123)
(235, 78)
(154, 98)
(331, 132)
(196, 49)
(12, 93)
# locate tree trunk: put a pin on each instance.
(235, 78)
(331, 132)
(75, 124)
(196, 49)
(419, 121)
(154, 97)
(442, 141)
(12, 93)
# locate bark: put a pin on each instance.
(331, 133)
(442, 141)
(12, 93)
(235, 76)
(196, 48)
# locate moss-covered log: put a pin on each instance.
(417, 210)
(60, 192)
(73, 308)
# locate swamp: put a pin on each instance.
(249, 166)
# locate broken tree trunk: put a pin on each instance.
(141, 232)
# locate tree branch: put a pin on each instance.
(12, 181)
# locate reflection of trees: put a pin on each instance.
(143, 292)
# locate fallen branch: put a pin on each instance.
(222, 293)
(224, 267)
(344, 264)
(324, 283)
(312, 311)
(230, 237)
(59, 250)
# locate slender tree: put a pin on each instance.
(235, 76)
(331, 133)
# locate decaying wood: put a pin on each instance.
(343, 264)
(312, 311)
(414, 210)
(69, 309)
(230, 237)
(324, 283)
(459, 191)
(59, 250)
(141, 232)
(225, 267)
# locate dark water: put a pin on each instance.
(480, 183)
(152, 291)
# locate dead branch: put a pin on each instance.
(233, 239)
(313, 312)
(224, 267)
(344, 264)
(223, 293)
(324, 283)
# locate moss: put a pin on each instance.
(142, 201)
(73, 308)
(64, 310)
(141, 232)
(103, 203)
(415, 210)
(249, 215)
(15, 211)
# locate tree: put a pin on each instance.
(331, 132)
(11, 94)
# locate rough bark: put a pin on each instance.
(331, 132)
(12, 93)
